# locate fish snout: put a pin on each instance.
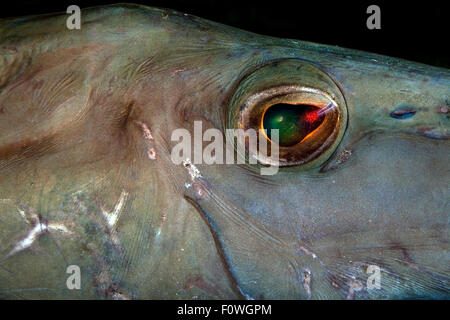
(396, 96)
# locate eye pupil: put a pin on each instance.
(294, 122)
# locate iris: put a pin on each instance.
(294, 122)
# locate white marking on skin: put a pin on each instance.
(112, 217)
(29, 239)
(192, 170)
(151, 154)
(58, 227)
(38, 229)
(163, 220)
(145, 130)
(22, 213)
(308, 252)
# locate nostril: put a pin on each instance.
(403, 112)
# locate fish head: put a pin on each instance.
(364, 192)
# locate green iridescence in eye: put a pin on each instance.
(294, 122)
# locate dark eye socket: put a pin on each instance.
(293, 122)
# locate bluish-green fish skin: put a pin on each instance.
(86, 176)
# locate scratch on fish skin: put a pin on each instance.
(163, 219)
(112, 217)
(147, 134)
(24, 217)
(39, 226)
(199, 187)
(177, 71)
(145, 130)
(192, 169)
(308, 252)
(34, 234)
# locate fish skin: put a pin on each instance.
(75, 107)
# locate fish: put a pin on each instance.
(95, 203)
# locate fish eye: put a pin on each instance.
(300, 101)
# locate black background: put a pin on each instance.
(163, 309)
(412, 30)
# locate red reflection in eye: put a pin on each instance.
(317, 114)
(311, 116)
